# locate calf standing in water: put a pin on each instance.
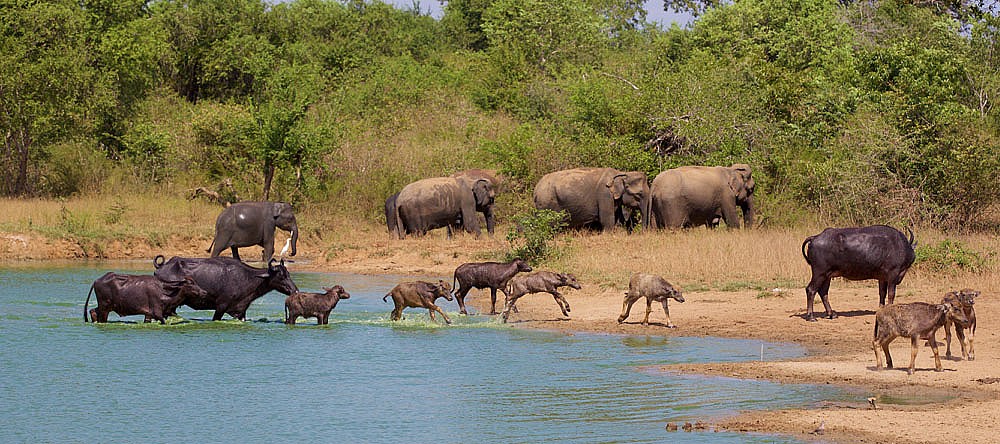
(540, 282)
(492, 275)
(916, 320)
(317, 305)
(653, 288)
(128, 295)
(418, 294)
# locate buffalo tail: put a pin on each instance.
(385, 298)
(87, 303)
(804, 244)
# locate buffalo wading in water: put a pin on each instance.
(492, 275)
(876, 252)
(132, 295)
(314, 305)
(418, 294)
(231, 285)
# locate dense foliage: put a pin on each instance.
(853, 112)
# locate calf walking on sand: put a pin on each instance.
(916, 320)
(540, 282)
(964, 299)
(653, 288)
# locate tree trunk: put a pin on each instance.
(268, 175)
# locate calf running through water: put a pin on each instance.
(314, 305)
(418, 294)
(492, 275)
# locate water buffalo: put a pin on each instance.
(492, 275)
(314, 305)
(653, 288)
(230, 284)
(876, 252)
(131, 295)
(540, 282)
(418, 294)
(965, 300)
(915, 320)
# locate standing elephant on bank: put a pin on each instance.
(473, 175)
(700, 195)
(443, 202)
(597, 198)
(244, 224)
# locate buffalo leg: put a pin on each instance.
(434, 308)
(878, 357)
(959, 331)
(460, 297)
(972, 352)
(814, 284)
(291, 318)
(937, 358)
(507, 306)
(626, 308)
(493, 301)
(218, 314)
(236, 252)
(397, 313)
(888, 357)
(883, 289)
(667, 312)
(649, 308)
(561, 302)
(913, 353)
(824, 295)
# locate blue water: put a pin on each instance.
(359, 379)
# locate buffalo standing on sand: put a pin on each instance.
(653, 288)
(916, 320)
(492, 275)
(132, 295)
(876, 252)
(314, 305)
(230, 285)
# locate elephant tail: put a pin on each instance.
(804, 244)
(913, 239)
(87, 303)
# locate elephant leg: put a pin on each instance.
(268, 252)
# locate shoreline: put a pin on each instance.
(838, 351)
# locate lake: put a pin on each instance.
(359, 379)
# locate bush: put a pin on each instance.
(532, 234)
(949, 255)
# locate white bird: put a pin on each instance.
(288, 243)
(872, 402)
(819, 430)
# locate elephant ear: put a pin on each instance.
(482, 190)
(617, 185)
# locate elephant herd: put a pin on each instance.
(592, 198)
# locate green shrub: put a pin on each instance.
(951, 255)
(532, 234)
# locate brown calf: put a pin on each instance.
(540, 282)
(653, 288)
(314, 305)
(418, 294)
(963, 299)
(915, 320)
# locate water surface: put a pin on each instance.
(359, 379)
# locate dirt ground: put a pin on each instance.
(959, 404)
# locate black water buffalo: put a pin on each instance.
(492, 275)
(875, 252)
(314, 305)
(132, 295)
(230, 284)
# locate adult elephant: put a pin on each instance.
(245, 224)
(691, 196)
(598, 198)
(485, 207)
(443, 202)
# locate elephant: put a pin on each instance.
(443, 202)
(597, 198)
(691, 196)
(252, 223)
(486, 208)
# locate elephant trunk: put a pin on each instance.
(295, 238)
(748, 210)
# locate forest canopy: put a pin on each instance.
(873, 111)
